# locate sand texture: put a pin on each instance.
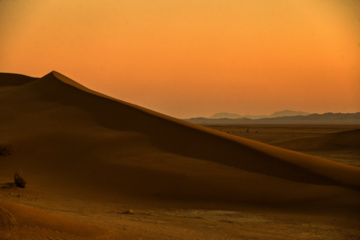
(89, 158)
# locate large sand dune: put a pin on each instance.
(72, 141)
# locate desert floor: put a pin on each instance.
(171, 222)
(100, 168)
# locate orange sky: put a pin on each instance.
(190, 58)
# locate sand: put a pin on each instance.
(89, 158)
(340, 143)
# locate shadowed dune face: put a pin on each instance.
(68, 136)
(11, 79)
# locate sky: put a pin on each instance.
(191, 58)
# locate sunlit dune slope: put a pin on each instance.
(72, 138)
(20, 222)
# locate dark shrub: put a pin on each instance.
(19, 180)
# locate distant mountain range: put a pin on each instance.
(278, 118)
(284, 113)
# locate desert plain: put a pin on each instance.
(100, 168)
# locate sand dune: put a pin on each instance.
(73, 141)
(11, 79)
(346, 140)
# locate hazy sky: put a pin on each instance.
(190, 58)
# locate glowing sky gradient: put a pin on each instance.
(190, 58)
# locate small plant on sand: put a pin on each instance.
(19, 180)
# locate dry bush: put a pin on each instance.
(19, 180)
